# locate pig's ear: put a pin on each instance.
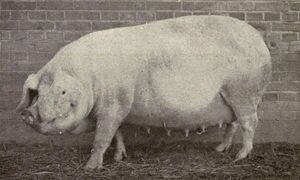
(29, 91)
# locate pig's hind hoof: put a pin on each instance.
(223, 147)
(120, 155)
(92, 165)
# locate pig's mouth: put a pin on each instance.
(32, 118)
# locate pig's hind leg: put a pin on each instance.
(231, 129)
(243, 97)
(120, 146)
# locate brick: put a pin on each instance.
(73, 15)
(20, 66)
(240, 6)
(291, 66)
(272, 16)
(271, 6)
(71, 36)
(38, 25)
(18, 15)
(280, 106)
(11, 5)
(179, 14)
(127, 5)
(286, 27)
(55, 36)
(290, 17)
(91, 5)
(284, 86)
(73, 26)
(270, 97)
(275, 76)
(200, 13)
(291, 96)
(270, 115)
(188, 5)
(40, 56)
(4, 56)
(37, 15)
(128, 16)
(109, 25)
(106, 25)
(283, 46)
(36, 36)
(291, 56)
(157, 5)
(109, 15)
(13, 76)
(240, 16)
(261, 26)
(295, 6)
(254, 16)
(220, 13)
(145, 16)
(4, 35)
(163, 15)
(55, 15)
(9, 103)
(19, 56)
(222, 6)
(55, 5)
(289, 37)
(90, 16)
(205, 6)
(4, 15)
(76, 15)
(289, 76)
(294, 46)
(19, 46)
(8, 25)
(49, 46)
(273, 36)
(18, 35)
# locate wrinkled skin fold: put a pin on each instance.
(185, 73)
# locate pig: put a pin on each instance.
(183, 73)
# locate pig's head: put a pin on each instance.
(54, 103)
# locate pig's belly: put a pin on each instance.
(157, 113)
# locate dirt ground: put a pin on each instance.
(178, 160)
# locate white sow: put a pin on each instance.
(184, 73)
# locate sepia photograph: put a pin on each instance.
(150, 89)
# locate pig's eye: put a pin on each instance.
(64, 92)
(72, 105)
(52, 120)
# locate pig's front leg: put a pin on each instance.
(108, 122)
(105, 131)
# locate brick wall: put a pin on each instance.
(32, 31)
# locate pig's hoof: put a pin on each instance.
(242, 154)
(92, 165)
(223, 147)
(119, 155)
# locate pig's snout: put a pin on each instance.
(28, 117)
